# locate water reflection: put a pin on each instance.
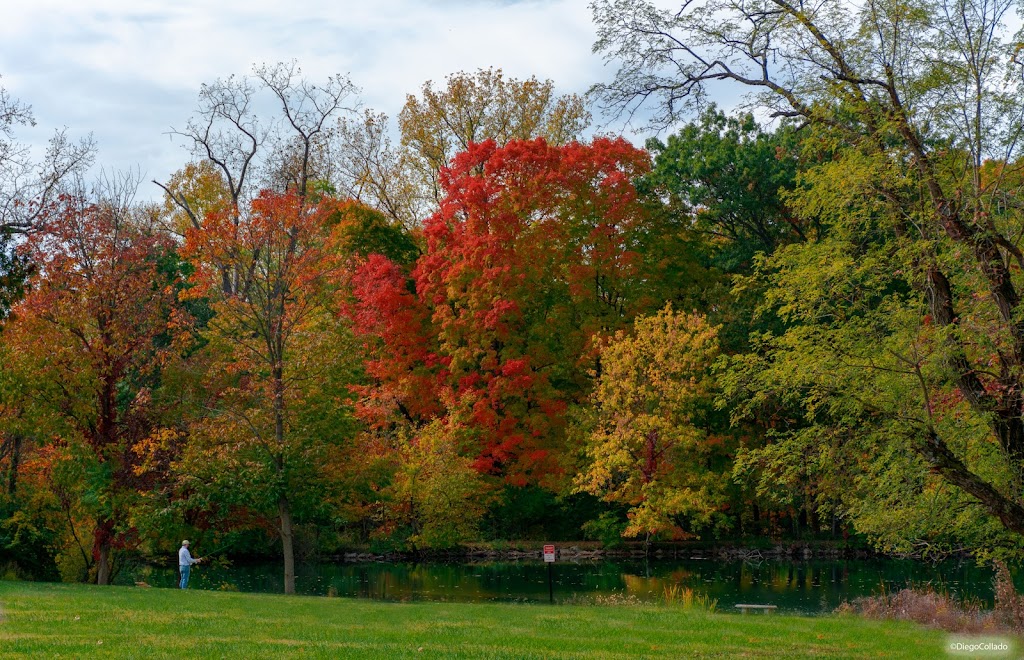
(804, 587)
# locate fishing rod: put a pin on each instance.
(217, 551)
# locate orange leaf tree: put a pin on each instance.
(99, 322)
(276, 350)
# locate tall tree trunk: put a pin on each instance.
(102, 543)
(12, 475)
(287, 547)
(283, 506)
(103, 565)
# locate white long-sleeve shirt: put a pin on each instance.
(185, 557)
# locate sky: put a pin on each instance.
(128, 71)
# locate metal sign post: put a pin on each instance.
(549, 559)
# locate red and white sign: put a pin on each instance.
(549, 553)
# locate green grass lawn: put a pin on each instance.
(71, 621)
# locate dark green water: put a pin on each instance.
(812, 587)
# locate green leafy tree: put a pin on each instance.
(727, 172)
(435, 498)
(726, 176)
(275, 349)
(917, 290)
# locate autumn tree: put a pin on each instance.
(926, 101)
(536, 250)
(650, 448)
(192, 193)
(371, 169)
(486, 106)
(91, 336)
(440, 123)
(402, 180)
(249, 152)
(28, 187)
(275, 347)
(401, 359)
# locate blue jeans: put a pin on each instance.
(185, 570)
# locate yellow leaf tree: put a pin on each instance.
(648, 449)
(436, 499)
(485, 105)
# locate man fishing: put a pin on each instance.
(185, 562)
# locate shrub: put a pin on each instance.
(928, 606)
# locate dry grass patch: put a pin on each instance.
(937, 609)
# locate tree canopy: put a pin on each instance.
(920, 107)
(799, 319)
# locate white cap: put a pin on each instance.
(185, 542)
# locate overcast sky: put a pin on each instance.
(128, 70)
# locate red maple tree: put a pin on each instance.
(535, 251)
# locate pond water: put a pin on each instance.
(808, 587)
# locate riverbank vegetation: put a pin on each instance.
(937, 608)
(76, 620)
(800, 323)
